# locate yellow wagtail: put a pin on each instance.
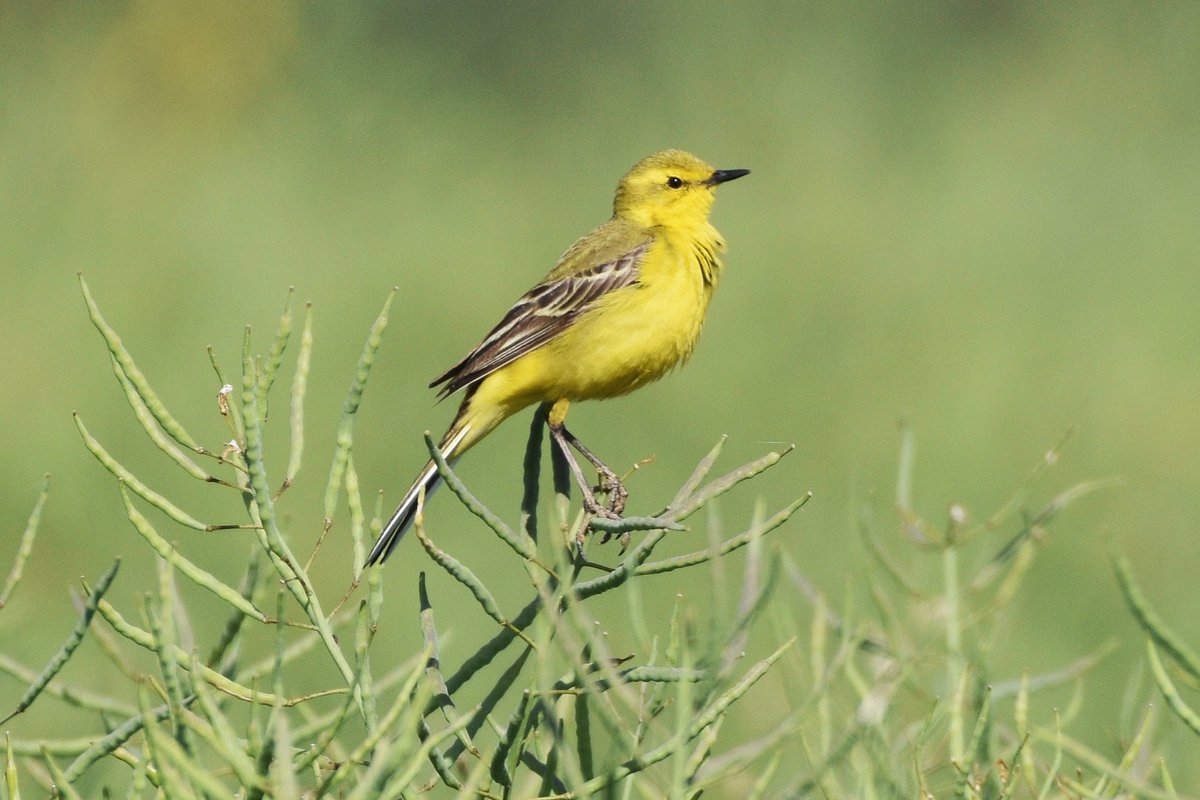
(621, 308)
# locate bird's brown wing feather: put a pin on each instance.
(544, 312)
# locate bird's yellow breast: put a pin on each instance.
(635, 335)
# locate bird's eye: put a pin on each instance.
(674, 182)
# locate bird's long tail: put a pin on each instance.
(426, 481)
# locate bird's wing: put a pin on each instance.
(544, 312)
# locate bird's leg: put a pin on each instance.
(590, 504)
(610, 484)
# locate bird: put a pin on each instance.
(622, 307)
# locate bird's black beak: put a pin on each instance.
(723, 175)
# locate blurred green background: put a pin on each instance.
(983, 217)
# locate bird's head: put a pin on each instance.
(671, 188)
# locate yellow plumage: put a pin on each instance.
(621, 308)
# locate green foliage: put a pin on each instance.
(1160, 637)
(914, 672)
(580, 719)
(980, 215)
(895, 700)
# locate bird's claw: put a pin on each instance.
(595, 509)
(612, 487)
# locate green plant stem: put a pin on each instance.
(954, 659)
